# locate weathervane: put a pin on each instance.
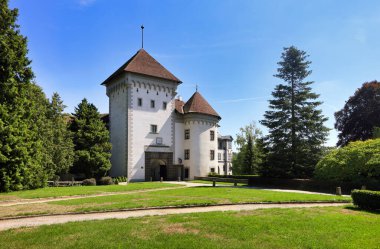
(142, 36)
(196, 87)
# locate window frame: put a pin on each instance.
(152, 103)
(153, 129)
(187, 134)
(139, 102)
(212, 155)
(212, 135)
(187, 154)
(164, 105)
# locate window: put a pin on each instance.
(212, 135)
(212, 170)
(220, 145)
(187, 154)
(212, 155)
(187, 134)
(139, 101)
(159, 140)
(152, 104)
(153, 128)
(219, 156)
(164, 105)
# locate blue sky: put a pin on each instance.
(229, 48)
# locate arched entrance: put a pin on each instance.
(158, 169)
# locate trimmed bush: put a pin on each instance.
(89, 182)
(366, 199)
(358, 163)
(105, 181)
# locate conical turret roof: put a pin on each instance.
(198, 104)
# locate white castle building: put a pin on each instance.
(153, 133)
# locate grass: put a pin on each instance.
(218, 183)
(81, 190)
(171, 197)
(332, 227)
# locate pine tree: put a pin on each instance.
(296, 127)
(58, 140)
(91, 140)
(22, 110)
(248, 162)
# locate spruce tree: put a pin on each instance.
(296, 125)
(22, 110)
(91, 140)
(248, 162)
(58, 139)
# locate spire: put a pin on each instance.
(142, 36)
(196, 87)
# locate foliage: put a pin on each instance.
(376, 132)
(58, 139)
(366, 199)
(248, 159)
(91, 139)
(360, 114)
(296, 126)
(23, 109)
(358, 162)
(106, 180)
(89, 182)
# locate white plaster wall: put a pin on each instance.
(143, 116)
(117, 93)
(200, 144)
(179, 135)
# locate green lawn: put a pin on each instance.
(191, 196)
(82, 190)
(332, 227)
(218, 183)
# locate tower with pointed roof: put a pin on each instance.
(153, 134)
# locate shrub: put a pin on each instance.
(358, 162)
(366, 199)
(105, 181)
(116, 180)
(212, 174)
(89, 182)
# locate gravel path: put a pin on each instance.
(58, 219)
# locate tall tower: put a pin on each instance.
(141, 100)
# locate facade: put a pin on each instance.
(153, 133)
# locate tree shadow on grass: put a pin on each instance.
(354, 208)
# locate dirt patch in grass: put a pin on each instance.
(33, 209)
(178, 228)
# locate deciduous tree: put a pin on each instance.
(360, 115)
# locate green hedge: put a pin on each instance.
(358, 163)
(366, 199)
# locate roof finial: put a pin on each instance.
(142, 36)
(196, 87)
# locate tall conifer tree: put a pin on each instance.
(91, 140)
(296, 125)
(22, 110)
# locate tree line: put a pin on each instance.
(38, 141)
(296, 137)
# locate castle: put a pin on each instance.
(153, 133)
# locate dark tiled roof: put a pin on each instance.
(197, 104)
(143, 63)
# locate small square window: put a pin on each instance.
(152, 104)
(153, 128)
(212, 170)
(212, 155)
(139, 101)
(187, 154)
(159, 140)
(164, 105)
(212, 135)
(187, 134)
